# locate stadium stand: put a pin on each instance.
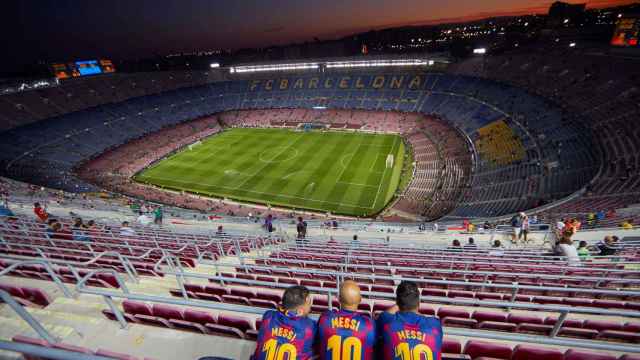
(486, 142)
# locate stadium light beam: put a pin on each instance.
(214, 65)
(480, 51)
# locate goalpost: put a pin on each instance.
(191, 146)
(389, 161)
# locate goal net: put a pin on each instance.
(191, 146)
(389, 161)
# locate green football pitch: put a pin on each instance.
(338, 172)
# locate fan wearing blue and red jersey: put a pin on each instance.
(287, 333)
(346, 334)
(405, 334)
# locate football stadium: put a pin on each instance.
(455, 188)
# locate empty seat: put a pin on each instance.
(239, 323)
(481, 316)
(451, 346)
(531, 352)
(586, 355)
(482, 349)
(624, 336)
(136, 308)
(521, 319)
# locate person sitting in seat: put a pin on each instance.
(347, 328)
(288, 333)
(455, 245)
(405, 333)
(471, 245)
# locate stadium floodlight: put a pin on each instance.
(480, 51)
(572, 44)
(273, 67)
(319, 107)
(214, 65)
(377, 63)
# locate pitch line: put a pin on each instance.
(284, 148)
(256, 192)
(382, 180)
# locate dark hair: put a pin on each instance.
(355, 237)
(455, 242)
(36, 204)
(408, 296)
(583, 244)
(294, 297)
(125, 223)
(470, 240)
(497, 243)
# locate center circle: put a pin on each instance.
(277, 154)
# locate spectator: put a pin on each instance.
(157, 215)
(125, 230)
(591, 218)
(524, 227)
(220, 231)
(354, 241)
(496, 249)
(40, 212)
(50, 231)
(487, 225)
(471, 245)
(78, 231)
(401, 323)
(606, 247)
(515, 227)
(301, 228)
(600, 215)
(347, 323)
(268, 223)
(60, 233)
(583, 250)
(626, 225)
(569, 251)
(288, 325)
(143, 219)
(5, 211)
(560, 226)
(455, 245)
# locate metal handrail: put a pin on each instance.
(454, 262)
(445, 271)
(46, 264)
(513, 286)
(108, 295)
(47, 352)
(28, 318)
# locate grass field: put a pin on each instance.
(341, 172)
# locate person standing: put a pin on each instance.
(157, 215)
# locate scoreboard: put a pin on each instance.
(82, 68)
(627, 32)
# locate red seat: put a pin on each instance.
(461, 294)
(521, 319)
(489, 316)
(631, 337)
(489, 296)
(609, 304)
(199, 317)
(534, 329)
(577, 302)
(239, 323)
(238, 300)
(578, 333)
(263, 303)
(451, 346)
(215, 290)
(194, 288)
(73, 348)
(269, 296)
(631, 327)
(452, 312)
(425, 310)
(245, 293)
(434, 292)
(586, 355)
(571, 323)
(629, 357)
(222, 330)
(602, 325)
(115, 355)
(498, 326)
(136, 308)
(477, 349)
(167, 312)
(530, 352)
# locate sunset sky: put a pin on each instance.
(71, 29)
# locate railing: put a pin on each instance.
(109, 295)
(46, 264)
(467, 264)
(24, 315)
(515, 288)
(47, 352)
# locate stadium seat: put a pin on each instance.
(487, 350)
(531, 352)
(584, 355)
